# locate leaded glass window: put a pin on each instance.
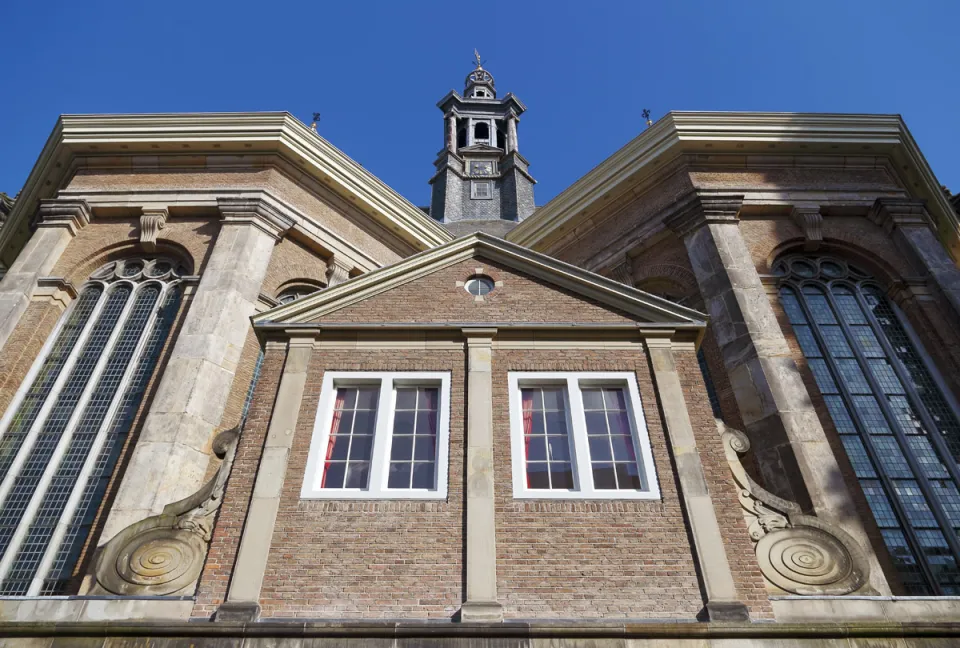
(62, 434)
(898, 427)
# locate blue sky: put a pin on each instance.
(375, 70)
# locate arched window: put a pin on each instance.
(900, 431)
(481, 131)
(62, 434)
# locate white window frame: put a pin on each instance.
(382, 435)
(576, 426)
(474, 184)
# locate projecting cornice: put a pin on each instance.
(220, 133)
(783, 134)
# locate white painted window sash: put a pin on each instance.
(383, 433)
(577, 429)
(29, 514)
(70, 509)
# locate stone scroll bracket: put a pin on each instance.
(810, 221)
(797, 554)
(152, 220)
(163, 555)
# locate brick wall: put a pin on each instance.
(436, 297)
(236, 499)
(23, 346)
(368, 559)
(291, 261)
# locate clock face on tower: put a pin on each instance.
(481, 168)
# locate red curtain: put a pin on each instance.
(527, 408)
(337, 415)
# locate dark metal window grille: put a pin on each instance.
(898, 429)
(61, 446)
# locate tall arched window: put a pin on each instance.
(899, 429)
(62, 434)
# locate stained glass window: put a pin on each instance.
(61, 437)
(899, 430)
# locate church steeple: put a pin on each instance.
(481, 175)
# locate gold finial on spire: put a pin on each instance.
(646, 115)
(476, 55)
(313, 125)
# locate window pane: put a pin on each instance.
(413, 445)
(611, 441)
(351, 438)
(546, 438)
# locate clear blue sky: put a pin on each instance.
(375, 70)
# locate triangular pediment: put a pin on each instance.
(548, 273)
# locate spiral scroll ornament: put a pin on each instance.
(806, 560)
(797, 553)
(164, 554)
(160, 560)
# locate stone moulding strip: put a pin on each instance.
(509, 629)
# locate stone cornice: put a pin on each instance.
(890, 213)
(646, 307)
(699, 208)
(329, 241)
(682, 133)
(220, 133)
(257, 212)
(59, 212)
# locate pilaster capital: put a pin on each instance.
(338, 270)
(256, 212)
(64, 212)
(698, 208)
(479, 336)
(808, 218)
(152, 220)
(891, 213)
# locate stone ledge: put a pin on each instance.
(89, 610)
(866, 609)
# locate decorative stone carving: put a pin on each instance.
(809, 219)
(151, 222)
(623, 272)
(797, 553)
(337, 272)
(164, 554)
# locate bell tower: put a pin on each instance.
(480, 174)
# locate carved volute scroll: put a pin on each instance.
(797, 553)
(164, 554)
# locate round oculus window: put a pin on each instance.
(478, 285)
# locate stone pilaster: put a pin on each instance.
(481, 604)
(723, 603)
(59, 221)
(172, 453)
(792, 451)
(512, 143)
(243, 598)
(914, 232)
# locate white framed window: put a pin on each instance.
(480, 190)
(380, 436)
(579, 436)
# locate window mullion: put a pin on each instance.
(379, 465)
(53, 463)
(865, 437)
(583, 478)
(933, 430)
(27, 446)
(63, 524)
(932, 502)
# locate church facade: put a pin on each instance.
(706, 396)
